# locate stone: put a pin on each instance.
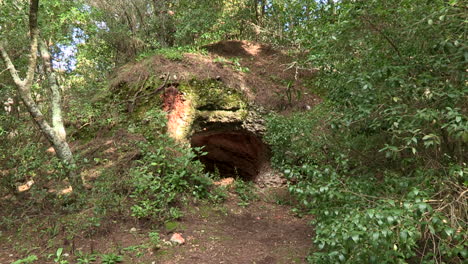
(224, 182)
(67, 190)
(177, 238)
(50, 150)
(26, 186)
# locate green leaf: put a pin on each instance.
(59, 252)
(341, 257)
(404, 235)
(422, 207)
(375, 236)
(449, 231)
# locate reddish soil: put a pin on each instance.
(177, 111)
(261, 233)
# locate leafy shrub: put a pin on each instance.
(298, 138)
(358, 222)
(379, 173)
(246, 191)
(155, 240)
(365, 214)
(166, 174)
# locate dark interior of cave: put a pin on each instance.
(237, 153)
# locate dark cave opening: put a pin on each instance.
(235, 153)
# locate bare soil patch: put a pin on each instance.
(263, 232)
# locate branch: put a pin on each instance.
(10, 66)
(387, 38)
(34, 31)
(3, 71)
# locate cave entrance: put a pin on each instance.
(237, 153)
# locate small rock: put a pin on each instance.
(26, 186)
(224, 182)
(51, 150)
(133, 230)
(177, 238)
(66, 190)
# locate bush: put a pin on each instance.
(167, 173)
(366, 214)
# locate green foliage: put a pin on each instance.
(354, 216)
(299, 138)
(155, 240)
(165, 175)
(83, 258)
(174, 54)
(355, 219)
(111, 258)
(58, 258)
(404, 82)
(28, 259)
(245, 191)
(171, 54)
(393, 74)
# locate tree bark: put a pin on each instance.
(56, 98)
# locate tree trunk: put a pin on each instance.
(56, 98)
(55, 136)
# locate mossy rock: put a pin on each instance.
(212, 95)
(210, 103)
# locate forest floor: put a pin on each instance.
(265, 231)
(261, 230)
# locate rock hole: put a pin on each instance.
(237, 153)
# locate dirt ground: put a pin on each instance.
(263, 232)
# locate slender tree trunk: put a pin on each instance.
(56, 98)
(55, 136)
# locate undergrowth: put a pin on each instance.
(366, 213)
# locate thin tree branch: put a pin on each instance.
(10, 66)
(387, 38)
(3, 71)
